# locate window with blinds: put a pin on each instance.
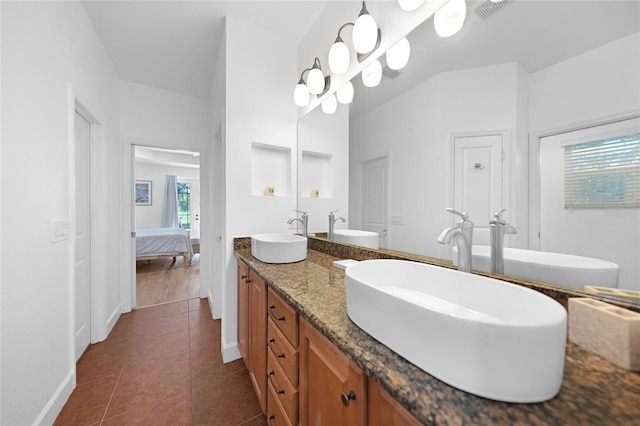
(603, 173)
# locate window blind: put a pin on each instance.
(603, 173)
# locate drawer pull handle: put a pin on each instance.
(272, 373)
(274, 349)
(346, 398)
(244, 277)
(271, 419)
(272, 309)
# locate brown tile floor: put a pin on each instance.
(162, 366)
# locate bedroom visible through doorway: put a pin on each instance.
(167, 222)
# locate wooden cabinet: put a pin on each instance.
(299, 376)
(252, 328)
(333, 390)
(243, 310)
(282, 361)
(386, 411)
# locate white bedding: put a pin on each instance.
(163, 242)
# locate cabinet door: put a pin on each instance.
(258, 337)
(386, 411)
(332, 388)
(243, 310)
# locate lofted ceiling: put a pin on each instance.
(173, 45)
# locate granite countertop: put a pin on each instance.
(593, 390)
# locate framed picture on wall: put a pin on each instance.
(142, 192)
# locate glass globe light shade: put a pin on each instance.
(339, 58)
(315, 81)
(330, 105)
(345, 93)
(365, 33)
(372, 74)
(409, 5)
(398, 55)
(301, 95)
(449, 18)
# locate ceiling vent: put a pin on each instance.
(489, 8)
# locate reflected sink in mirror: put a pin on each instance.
(356, 237)
(564, 270)
(279, 247)
(483, 336)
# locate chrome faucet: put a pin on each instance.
(332, 222)
(304, 220)
(462, 233)
(497, 228)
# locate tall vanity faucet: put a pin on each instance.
(497, 228)
(332, 222)
(304, 220)
(462, 234)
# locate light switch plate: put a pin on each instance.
(59, 230)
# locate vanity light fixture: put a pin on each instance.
(339, 56)
(372, 74)
(409, 5)
(398, 54)
(315, 79)
(366, 34)
(330, 105)
(345, 93)
(449, 19)
(301, 93)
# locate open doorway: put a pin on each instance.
(167, 222)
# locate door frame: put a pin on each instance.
(98, 184)
(128, 281)
(534, 164)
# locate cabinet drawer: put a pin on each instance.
(275, 412)
(284, 317)
(282, 389)
(285, 355)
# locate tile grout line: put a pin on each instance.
(112, 393)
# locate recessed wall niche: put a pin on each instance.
(270, 170)
(316, 175)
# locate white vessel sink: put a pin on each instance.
(359, 238)
(279, 247)
(565, 270)
(483, 336)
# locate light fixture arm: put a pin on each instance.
(339, 38)
(302, 76)
(364, 10)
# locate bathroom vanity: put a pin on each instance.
(318, 362)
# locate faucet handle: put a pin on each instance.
(463, 215)
(498, 217)
(301, 212)
(333, 212)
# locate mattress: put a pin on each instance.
(163, 242)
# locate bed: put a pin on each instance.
(153, 243)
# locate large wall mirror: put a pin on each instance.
(480, 121)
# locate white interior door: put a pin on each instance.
(374, 198)
(83, 235)
(195, 208)
(478, 181)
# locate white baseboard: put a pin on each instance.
(230, 352)
(210, 299)
(53, 408)
(113, 318)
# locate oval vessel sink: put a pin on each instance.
(279, 247)
(483, 336)
(565, 270)
(356, 237)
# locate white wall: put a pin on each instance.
(46, 46)
(415, 130)
(327, 135)
(259, 108)
(151, 216)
